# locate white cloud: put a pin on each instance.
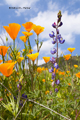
(22, 3)
(46, 47)
(69, 29)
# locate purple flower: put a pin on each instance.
(52, 34)
(53, 84)
(56, 65)
(53, 51)
(60, 24)
(58, 36)
(19, 86)
(56, 90)
(15, 98)
(24, 96)
(53, 75)
(51, 70)
(53, 60)
(61, 40)
(54, 25)
(57, 31)
(54, 41)
(57, 82)
(21, 103)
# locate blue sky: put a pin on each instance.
(43, 13)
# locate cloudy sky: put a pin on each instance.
(43, 13)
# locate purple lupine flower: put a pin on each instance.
(60, 24)
(57, 82)
(15, 98)
(53, 75)
(51, 70)
(61, 40)
(53, 84)
(56, 65)
(52, 34)
(53, 60)
(54, 25)
(57, 31)
(58, 36)
(53, 51)
(21, 103)
(54, 41)
(19, 86)
(56, 90)
(24, 96)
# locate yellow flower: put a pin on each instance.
(43, 68)
(12, 30)
(3, 50)
(71, 49)
(78, 74)
(39, 69)
(33, 56)
(20, 59)
(30, 51)
(69, 84)
(68, 71)
(55, 70)
(75, 66)
(7, 68)
(38, 29)
(28, 26)
(27, 34)
(23, 38)
(51, 80)
(67, 56)
(47, 92)
(43, 80)
(18, 55)
(46, 59)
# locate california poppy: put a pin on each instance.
(12, 30)
(3, 50)
(67, 57)
(33, 56)
(7, 68)
(23, 38)
(27, 34)
(71, 49)
(46, 59)
(28, 26)
(38, 29)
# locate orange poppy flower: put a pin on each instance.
(39, 69)
(9, 61)
(30, 51)
(1, 61)
(38, 29)
(69, 84)
(3, 50)
(78, 75)
(20, 59)
(46, 59)
(7, 68)
(71, 49)
(23, 38)
(33, 56)
(12, 30)
(27, 34)
(43, 80)
(67, 56)
(28, 26)
(75, 66)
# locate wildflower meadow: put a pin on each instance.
(37, 93)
